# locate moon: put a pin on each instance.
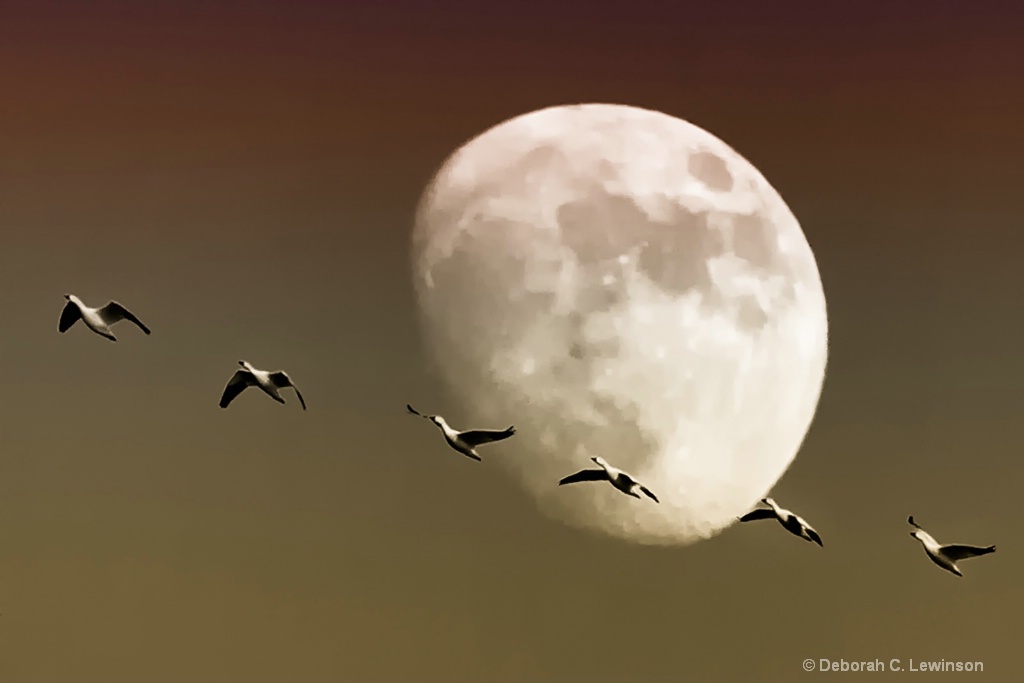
(619, 282)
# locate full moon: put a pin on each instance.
(615, 281)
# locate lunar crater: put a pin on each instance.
(590, 226)
(712, 170)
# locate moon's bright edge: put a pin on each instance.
(615, 281)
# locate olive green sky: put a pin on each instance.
(244, 175)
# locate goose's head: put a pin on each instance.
(68, 297)
(915, 533)
(768, 501)
(438, 420)
(599, 461)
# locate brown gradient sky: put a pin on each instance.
(243, 175)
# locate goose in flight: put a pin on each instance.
(464, 442)
(623, 481)
(792, 523)
(270, 382)
(98, 320)
(946, 556)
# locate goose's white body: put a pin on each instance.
(465, 442)
(946, 556)
(98, 320)
(620, 479)
(270, 382)
(793, 523)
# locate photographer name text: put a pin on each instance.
(876, 665)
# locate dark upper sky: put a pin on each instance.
(243, 175)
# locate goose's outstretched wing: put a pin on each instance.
(648, 493)
(478, 437)
(69, 316)
(585, 475)
(760, 513)
(236, 385)
(814, 536)
(965, 552)
(282, 380)
(113, 312)
(413, 410)
(944, 564)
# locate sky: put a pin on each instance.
(244, 177)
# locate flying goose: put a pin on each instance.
(946, 556)
(465, 442)
(270, 382)
(623, 481)
(792, 523)
(98, 320)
